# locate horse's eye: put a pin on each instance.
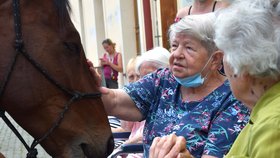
(73, 47)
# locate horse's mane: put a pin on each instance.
(63, 9)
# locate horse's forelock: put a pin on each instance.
(63, 8)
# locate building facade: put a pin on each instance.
(134, 25)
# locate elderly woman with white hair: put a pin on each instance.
(152, 60)
(249, 34)
(190, 99)
(148, 62)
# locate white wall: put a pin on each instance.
(87, 16)
(183, 3)
(99, 19)
(120, 27)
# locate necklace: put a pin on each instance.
(111, 59)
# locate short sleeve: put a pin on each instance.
(145, 92)
(225, 127)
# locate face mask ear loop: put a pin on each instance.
(205, 77)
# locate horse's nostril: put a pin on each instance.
(84, 148)
(110, 145)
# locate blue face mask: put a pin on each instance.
(193, 81)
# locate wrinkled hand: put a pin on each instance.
(170, 146)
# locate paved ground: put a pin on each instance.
(10, 145)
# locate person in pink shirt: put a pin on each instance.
(111, 63)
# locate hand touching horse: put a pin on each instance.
(45, 83)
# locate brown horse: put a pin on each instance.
(46, 85)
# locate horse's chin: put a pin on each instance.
(86, 150)
(90, 153)
(82, 149)
(76, 151)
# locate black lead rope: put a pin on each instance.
(12, 127)
(75, 95)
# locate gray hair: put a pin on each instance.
(158, 57)
(199, 26)
(249, 34)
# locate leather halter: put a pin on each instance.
(74, 95)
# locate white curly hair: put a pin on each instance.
(249, 34)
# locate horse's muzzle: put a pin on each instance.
(89, 153)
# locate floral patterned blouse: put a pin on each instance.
(210, 125)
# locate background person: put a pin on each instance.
(249, 34)
(112, 64)
(201, 7)
(131, 73)
(126, 126)
(190, 98)
(148, 62)
(152, 60)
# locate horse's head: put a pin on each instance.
(37, 94)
